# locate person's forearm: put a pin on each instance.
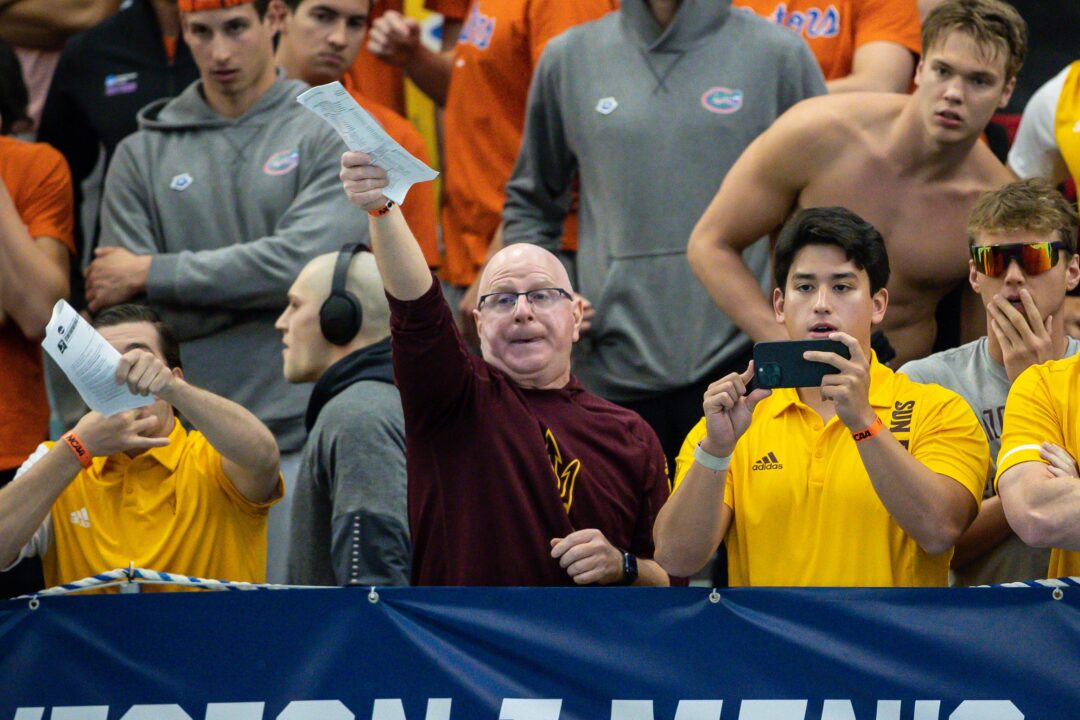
(47, 24)
(989, 530)
(692, 522)
(877, 66)
(26, 500)
(230, 428)
(734, 289)
(650, 574)
(401, 262)
(30, 280)
(932, 509)
(431, 72)
(1041, 508)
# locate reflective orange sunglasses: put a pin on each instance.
(1033, 258)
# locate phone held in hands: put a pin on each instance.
(781, 364)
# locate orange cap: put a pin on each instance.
(201, 5)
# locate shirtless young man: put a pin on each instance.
(912, 165)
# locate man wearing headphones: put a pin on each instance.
(348, 522)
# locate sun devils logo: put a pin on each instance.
(565, 472)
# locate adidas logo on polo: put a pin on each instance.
(769, 462)
(81, 518)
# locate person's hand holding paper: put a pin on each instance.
(89, 362)
(362, 132)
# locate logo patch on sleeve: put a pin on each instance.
(607, 105)
(181, 182)
(722, 100)
(282, 162)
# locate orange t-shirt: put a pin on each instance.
(419, 205)
(379, 81)
(834, 29)
(494, 59)
(39, 183)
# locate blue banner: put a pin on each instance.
(544, 654)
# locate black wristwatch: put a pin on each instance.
(629, 568)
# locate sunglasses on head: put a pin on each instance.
(1033, 258)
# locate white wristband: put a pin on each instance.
(716, 464)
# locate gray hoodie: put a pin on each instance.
(231, 210)
(651, 120)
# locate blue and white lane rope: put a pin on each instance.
(134, 575)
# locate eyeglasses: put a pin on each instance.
(1033, 258)
(504, 302)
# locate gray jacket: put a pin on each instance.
(651, 121)
(231, 210)
(349, 517)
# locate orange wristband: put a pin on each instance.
(874, 429)
(73, 442)
(383, 210)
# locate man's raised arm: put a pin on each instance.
(401, 262)
(756, 197)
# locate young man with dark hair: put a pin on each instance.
(1023, 261)
(137, 487)
(318, 42)
(796, 479)
(212, 208)
(912, 165)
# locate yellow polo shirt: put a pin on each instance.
(170, 509)
(1043, 406)
(805, 510)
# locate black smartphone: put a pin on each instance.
(781, 364)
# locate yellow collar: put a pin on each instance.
(168, 456)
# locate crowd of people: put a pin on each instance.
(543, 376)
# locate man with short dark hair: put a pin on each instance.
(136, 487)
(349, 522)
(213, 207)
(1023, 261)
(318, 42)
(795, 479)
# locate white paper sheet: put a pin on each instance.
(333, 103)
(88, 361)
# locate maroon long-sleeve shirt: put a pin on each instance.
(496, 471)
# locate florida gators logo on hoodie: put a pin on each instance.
(722, 100)
(282, 162)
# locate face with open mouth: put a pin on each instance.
(529, 340)
(827, 293)
(1045, 289)
(961, 84)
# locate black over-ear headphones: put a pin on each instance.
(341, 315)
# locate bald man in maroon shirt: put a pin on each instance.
(517, 474)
